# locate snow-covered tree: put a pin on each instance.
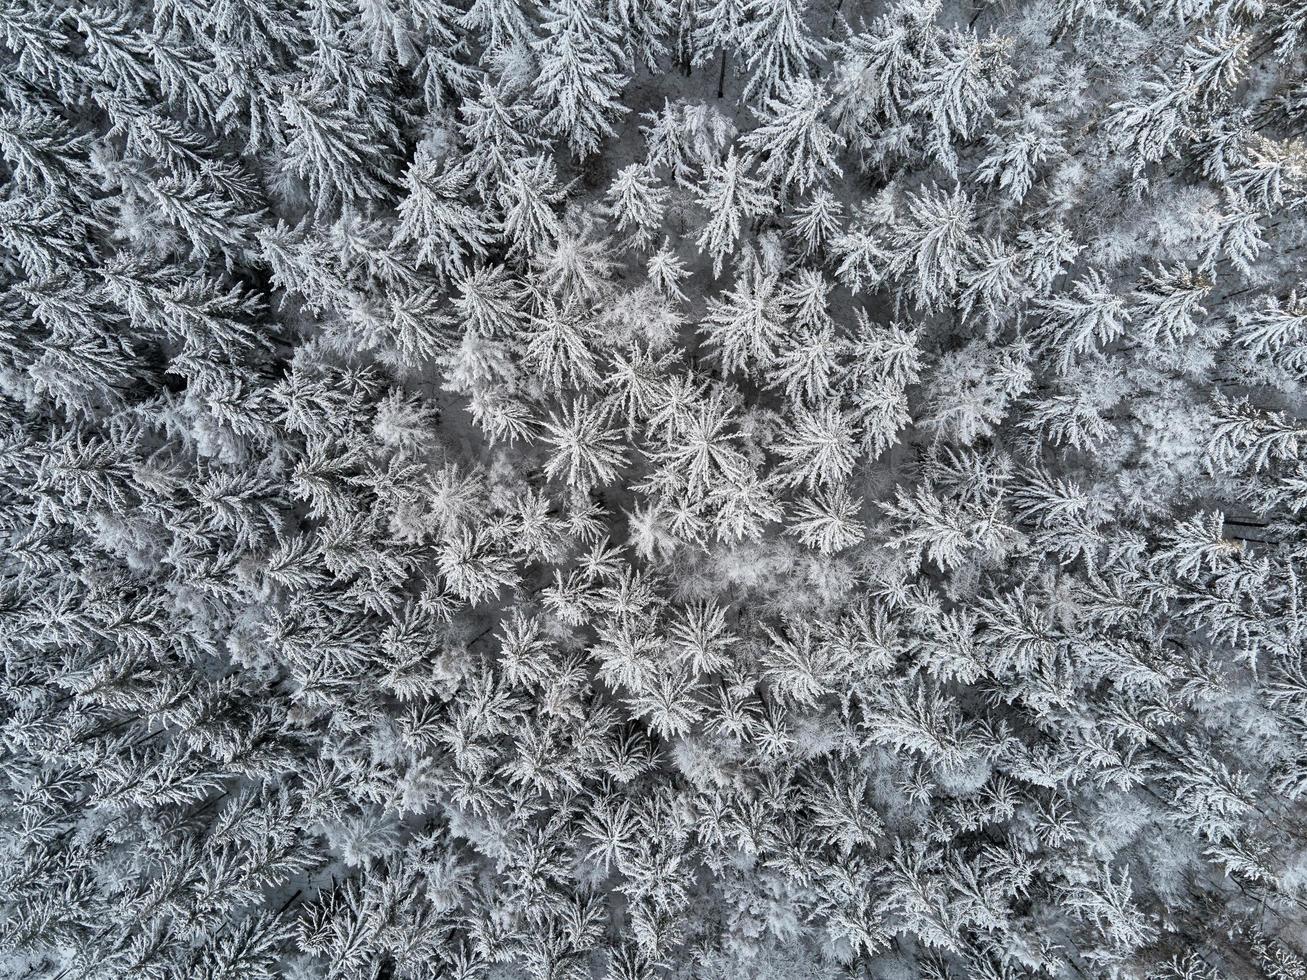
(638, 203)
(579, 83)
(796, 145)
(585, 451)
(486, 495)
(730, 196)
(780, 48)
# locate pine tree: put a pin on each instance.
(944, 531)
(637, 203)
(817, 222)
(956, 90)
(401, 580)
(685, 137)
(643, 25)
(499, 130)
(1167, 303)
(730, 196)
(797, 143)
(559, 348)
(827, 521)
(1077, 324)
(579, 83)
(447, 78)
(327, 148)
(932, 241)
(527, 197)
(586, 451)
(719, 28)
(447, 234)
(745, 327)
(820, 452)
(501, 24)
(779, 47)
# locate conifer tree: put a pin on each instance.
(730, 197)
(420, 560)
(779, 45)
(579, 82)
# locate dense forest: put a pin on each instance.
(649, 489)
